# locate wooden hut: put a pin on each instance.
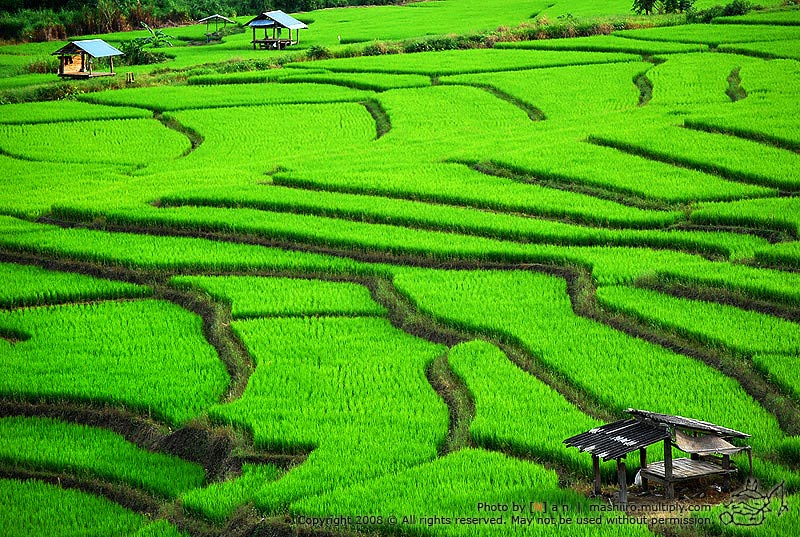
(705, 442)
(276, 21)
(76, 59)
(216, 18)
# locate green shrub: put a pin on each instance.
(379, 48)
(661, 6)
(737, 7)
(43, 65)
(317, 52)
(136, 53)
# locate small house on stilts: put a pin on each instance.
(76, 59)
(276, 21)
(706, 443)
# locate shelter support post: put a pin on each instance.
(622, 475)
(643, 465)
(111, 61)
(596, 468)
(668, 484)
(254, 37)
(726, 480)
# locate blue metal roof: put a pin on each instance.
(277, 17)
(286, 21)
(261, 23)
(96, 48)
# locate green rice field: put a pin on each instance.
(369, 283)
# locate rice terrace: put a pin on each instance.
(447, 267)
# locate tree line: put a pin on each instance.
(43, 20)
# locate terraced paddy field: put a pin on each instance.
(254, 293)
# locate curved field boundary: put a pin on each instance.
(773, 18)
(313, 369)
(120, 495)
(65, 111)
(605, 43)
(54, 445)
(533, 113)
(570, 96)
(714, 35)
(252, 296)
(430, 217)
(778, 286)
(768, 167)
(185, 250)
(740, 333)
(500, 188)
(454, 62)
(131, 365)
(267, 227)
(745, 130)
(246, 77)
(505, 399)
(383, 123)
(645, 87)
(195, 138)
(767, 49)
(12, 337)
(735, 90)
(177, 98)
(361, 81)
(119, 142)
(625, 189)
(28, 285)
(786, 255)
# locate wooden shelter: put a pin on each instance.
(706, 443)
(76, 59)
(276, 21)
(216, 18)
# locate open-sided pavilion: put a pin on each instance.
(276, 21)
(706, 443)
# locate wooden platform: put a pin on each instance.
(273, 43)
(77, 74)
(683, 469)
